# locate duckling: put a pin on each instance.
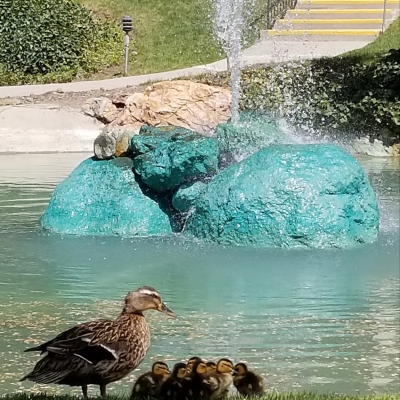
(194, 386)
(102, 351)
(172, 388)
(191, 361)
(247, 382)
(211, 367)
(220, 380)
(149, 384)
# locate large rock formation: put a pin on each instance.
(172, 157)
(187, 104)
(103, 198)
(314, 196)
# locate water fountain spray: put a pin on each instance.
(228, 25)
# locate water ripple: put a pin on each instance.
(321, 320)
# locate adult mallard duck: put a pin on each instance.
(102, 351)
(172, 388)
(246, 382)
(149, 384)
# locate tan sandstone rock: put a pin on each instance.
(191, 105)
(395, 150)
(101, 108)
(182, 103)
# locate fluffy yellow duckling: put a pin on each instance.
(172, 388)
(149, 384)
(220, 381)
(246, 382)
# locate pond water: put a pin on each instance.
(325, 320)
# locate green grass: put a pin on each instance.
(390, 39)
(167, 34)
(269, 396)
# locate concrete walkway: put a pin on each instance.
(43, 129)
(266, 51)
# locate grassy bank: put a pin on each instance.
(389, 40)
(167, 34)
(269, 396)
(62, 40)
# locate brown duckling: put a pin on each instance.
(172, 388)
(246, 382)
(211, 367)
(149, 384)
(220, 381)
(194, 386)
(191, 361)
(102, 351)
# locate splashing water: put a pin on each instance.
(228, 26)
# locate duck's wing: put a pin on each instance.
(92, 341)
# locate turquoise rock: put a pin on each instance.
(250, 134)
(103, 198)
(186, 196)
(178, 157)
(305, 196)
(150, 137)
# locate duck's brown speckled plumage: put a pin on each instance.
(99, 352)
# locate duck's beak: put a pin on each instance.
(164, 309)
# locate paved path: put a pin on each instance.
(265, 51)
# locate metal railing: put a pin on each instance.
(277, 9)
(384, 15)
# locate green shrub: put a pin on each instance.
(334, 94)
(53, 38)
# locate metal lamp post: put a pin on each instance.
(127, 27)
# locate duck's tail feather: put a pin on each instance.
(46, 376)
(36, 348)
